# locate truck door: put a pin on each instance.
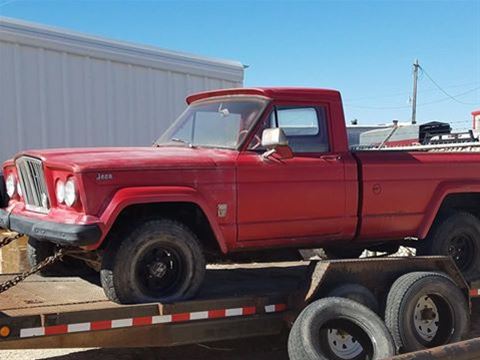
(301, 199)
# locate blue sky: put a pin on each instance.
(363, 48)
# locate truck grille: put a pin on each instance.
(32, 183)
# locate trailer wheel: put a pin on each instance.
(160, 260)
(38, 250)
(425, 309)
(456, 235)
(358, 293)
(338, 328)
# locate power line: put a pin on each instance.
(421, 104)
(442, 90)
(420, 91)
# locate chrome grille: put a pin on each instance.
(32, 183)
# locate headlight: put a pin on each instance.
(70, 192)
(60, 191)
(11, 185)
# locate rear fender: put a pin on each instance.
(438, 197)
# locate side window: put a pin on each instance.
(305, 128)
(298, 121)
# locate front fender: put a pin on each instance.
(156, 194)
(442, 191)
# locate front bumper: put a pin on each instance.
(62, 234)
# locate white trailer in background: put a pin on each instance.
(61, 89)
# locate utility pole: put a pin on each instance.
(414, 97)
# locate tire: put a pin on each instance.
(456, 235)
(37, 251)
(410, 299)
(158, 261)
(358, 293)
(342, 253)
(343, 315)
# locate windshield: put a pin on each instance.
(222, 123)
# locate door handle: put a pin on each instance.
(334, 157)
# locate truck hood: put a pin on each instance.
(132, 158)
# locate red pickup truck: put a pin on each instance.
(240, 170)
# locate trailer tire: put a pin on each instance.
(38, 250)
(358, 293)
(344, 315)
(158, 261)
(431, 295)
(457, 235)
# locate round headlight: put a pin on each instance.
(60, 191)
(70, 192)
(11, 185)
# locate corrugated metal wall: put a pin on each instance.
(61, 89)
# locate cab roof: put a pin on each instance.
(274, 93)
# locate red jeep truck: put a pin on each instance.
(240, 170)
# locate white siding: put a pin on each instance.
(60, 89)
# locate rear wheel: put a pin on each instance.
(425, 309)
(160, 260)
(456, 235)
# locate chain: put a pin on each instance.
(7, 240)
(18, 278)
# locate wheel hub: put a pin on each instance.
(343, 345)
(157, 269)
(426, 318)
(462, 251)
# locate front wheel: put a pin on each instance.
(160, 260)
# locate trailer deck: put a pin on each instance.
(242, 302)
(236, 301)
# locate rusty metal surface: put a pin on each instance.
(51, 295)
(159, 335)
(377, 274)
(39, 295)
(465, 350)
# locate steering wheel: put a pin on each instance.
(256, 138)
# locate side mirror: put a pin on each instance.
(276, 142)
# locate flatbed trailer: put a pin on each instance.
(237, 301)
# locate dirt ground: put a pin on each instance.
(265, 348)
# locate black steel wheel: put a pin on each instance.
(160, 269)
(159, 260)
(457, 235)
(462, 250)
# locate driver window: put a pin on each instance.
(305, 128)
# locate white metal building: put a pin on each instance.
(62, 89)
